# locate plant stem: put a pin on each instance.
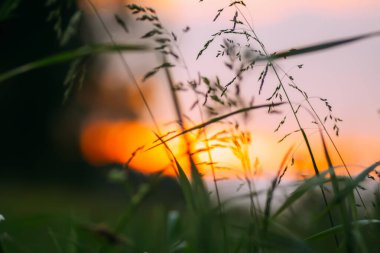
(316, 170)
(126, 66)
(315, 115)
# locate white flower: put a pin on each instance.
(1, 218)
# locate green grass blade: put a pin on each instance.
(335, 184)
(272, 188)
(53, 237)
(67, 56)
(72, 246)
(199, 190)
(338, 228)
(240, 197)
(354, 183)
(359, 240)
(351, 186)
(181, 176)
(184, 183)
(301, 190)
(317, 47)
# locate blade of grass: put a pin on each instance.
(306, 139)
(126, 66)
(199, 189)
(317, 47)
(338, 228)
(72, 246)
(69, 55)
(134, 204)
(273, 187)
(57, 245)
(352, 184)
(315, 115)
(217, 119)
(305, 187)
(342, 209)
(184, 182)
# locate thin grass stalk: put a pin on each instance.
(176, 104)
(252, 212)
(315, 115)
(53, 237)
(335, 184)
(218, 198)
(338, 153)
(271, 190)
(208, 151)
(197, 184)
(350, 186)
(215, 182)
(124, 219)
(130, 74)
(254, 208)
(126, 66)
(218, 119)
(182, 178)
(316, 170)
(356, 234)
(136, 201)
(178, 111)
(210, 159)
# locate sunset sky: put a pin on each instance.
(347, 76)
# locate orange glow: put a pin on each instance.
(358, 152)
(104, 142)
(224, 161)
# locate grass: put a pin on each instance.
(325, 212)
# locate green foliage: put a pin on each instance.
(65, 27)
(7, 9)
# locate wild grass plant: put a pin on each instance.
(324, 212)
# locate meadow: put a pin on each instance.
(187, 181)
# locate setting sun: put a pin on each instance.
(104, 142)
